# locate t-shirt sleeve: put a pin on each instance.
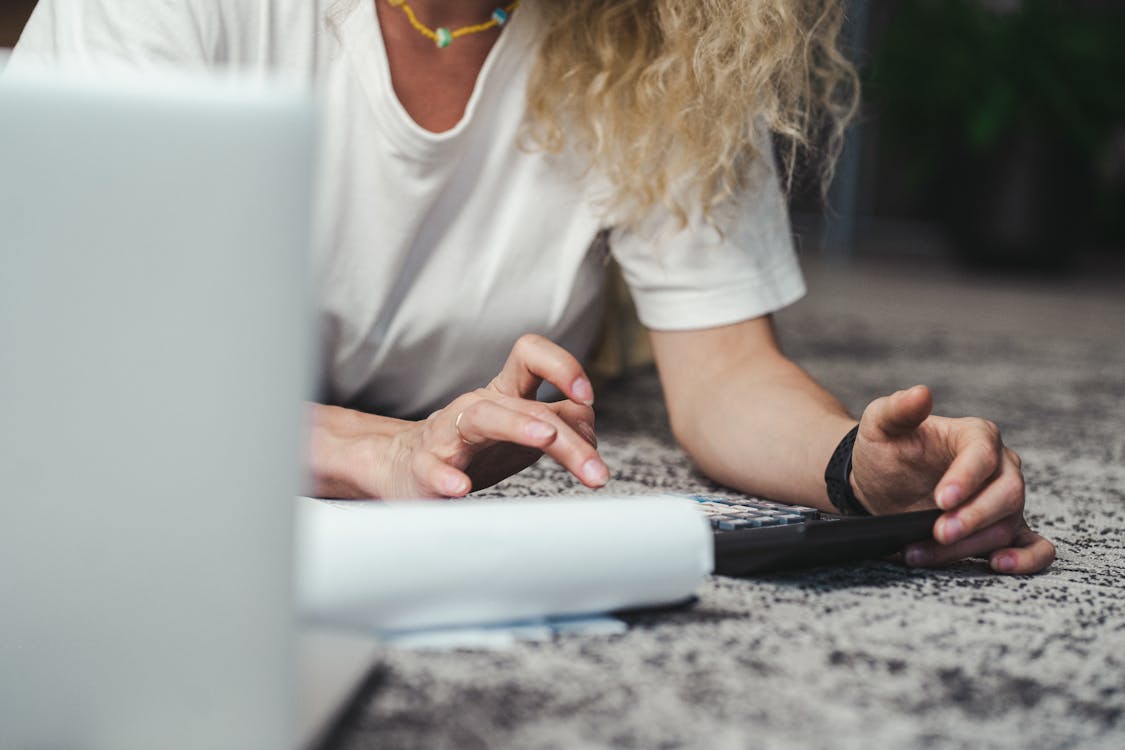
(738, 266)
(108, 34)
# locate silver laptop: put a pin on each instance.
(154, 350)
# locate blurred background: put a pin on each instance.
(992, 131)
(13, 14)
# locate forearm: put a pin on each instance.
(748, 416)
(767, 429)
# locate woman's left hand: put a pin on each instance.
(905, 458)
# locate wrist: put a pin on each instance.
(352, 454)
(839, 480)
(857, 491)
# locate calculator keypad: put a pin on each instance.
(731, 514)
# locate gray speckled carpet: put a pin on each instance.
(865, 655)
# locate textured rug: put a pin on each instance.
(865, 655)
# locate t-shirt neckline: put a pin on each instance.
(362, 39)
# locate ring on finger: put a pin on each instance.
(457, 427)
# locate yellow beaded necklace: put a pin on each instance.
(442, 36)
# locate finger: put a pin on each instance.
(1030, 554)
(933, 554)
(977, 457)
(486, 420)
(1001, 497)
(569, 448)
(436, 478)
(534, 359)
(580, 418)
(901, 412)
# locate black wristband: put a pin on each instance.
(837, 476)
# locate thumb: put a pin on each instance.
(901, 412)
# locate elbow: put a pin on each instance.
(699, 433)
(687, 433)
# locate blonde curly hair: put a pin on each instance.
(674, 100)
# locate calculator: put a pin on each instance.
(754, 536)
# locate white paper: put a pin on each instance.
(397, 566)
(503, 636)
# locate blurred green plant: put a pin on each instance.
(962, 78)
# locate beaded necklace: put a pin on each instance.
(442, 36)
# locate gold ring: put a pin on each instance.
(457, 427)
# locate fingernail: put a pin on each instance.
(916, 556)
(953, 530)
(949, 497)
(539, 431)
(588, 432)
(595, 472)
(1005, 563)
(583, 391)
(454, 486)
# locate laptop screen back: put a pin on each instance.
(153, 354)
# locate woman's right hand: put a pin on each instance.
(477, 440)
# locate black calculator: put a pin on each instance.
(759, 536)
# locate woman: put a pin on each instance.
(479, 163)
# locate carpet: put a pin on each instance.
(870, 654)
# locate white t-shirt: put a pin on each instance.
(437, 251)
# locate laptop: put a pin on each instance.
(155, 334)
